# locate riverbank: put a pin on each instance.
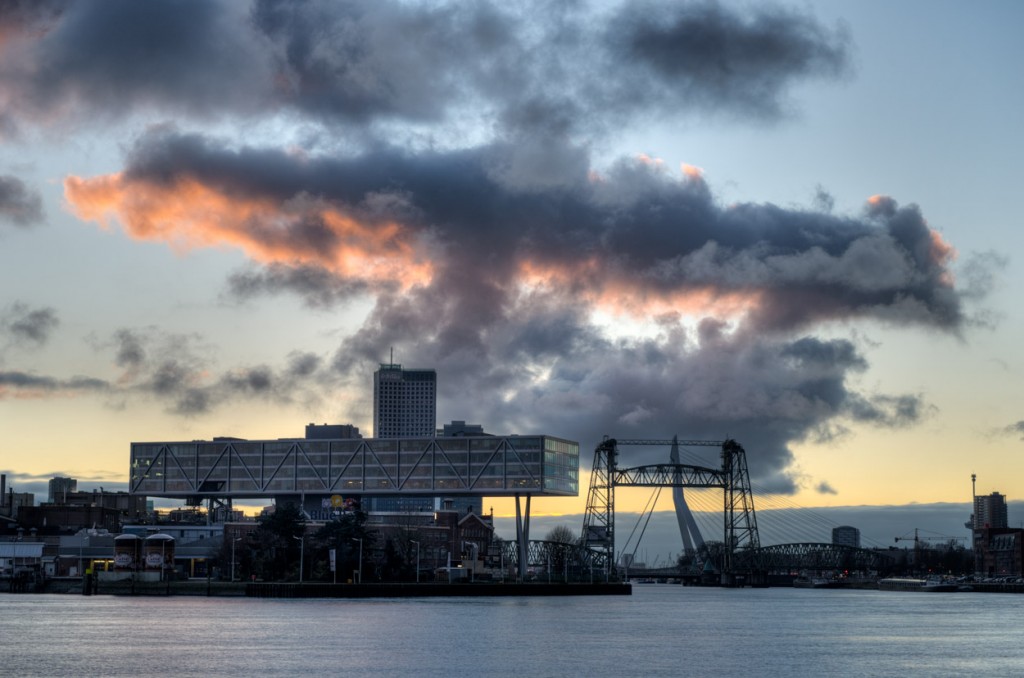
(402, 590)
(322, 590)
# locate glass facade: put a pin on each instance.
(458, 466)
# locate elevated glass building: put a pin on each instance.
(353, 468)
(325, 476)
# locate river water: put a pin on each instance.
(661, 630)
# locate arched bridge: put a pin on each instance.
(788, 558)
(811, 556)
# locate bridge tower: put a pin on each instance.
(599, 518)
(740, 522)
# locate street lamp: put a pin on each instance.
(360, 540)
(417, 559)
(233, 542)
(302, 553)
(83, 541)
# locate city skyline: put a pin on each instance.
(787, 224)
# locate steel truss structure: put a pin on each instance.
(822, 557)
(740, 522)
(486, 465)
(552, 561)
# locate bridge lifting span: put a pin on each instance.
(742, 544)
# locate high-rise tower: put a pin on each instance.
(404, 402)
(990, 511)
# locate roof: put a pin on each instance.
(21, 549)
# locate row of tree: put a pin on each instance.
(279, 546)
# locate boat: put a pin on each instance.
(818, 583)
(930, 585)
(935, 584)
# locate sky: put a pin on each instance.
(790, 224)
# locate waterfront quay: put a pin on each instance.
(215, 588)
(404, 590)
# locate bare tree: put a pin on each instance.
(562, 534)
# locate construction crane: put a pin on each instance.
(921, 559)
(917, 539)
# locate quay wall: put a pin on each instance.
(398, 590)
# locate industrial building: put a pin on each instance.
(59, 487)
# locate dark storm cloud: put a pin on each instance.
(19, 205)
(318, 287)
(130, 352)
(29, 325)
(255, 380)
(524, 68)
(303, 364)
(179, 371)
(33, 385)
(825, 488)
(650, 233)
(18, 16)
(543, 68)
(368, 59)
(891, 411)
(1016, 428)
(117, 55)
(706, 55)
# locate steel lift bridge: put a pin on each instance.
(741, 562)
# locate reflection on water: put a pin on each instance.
(660, 630)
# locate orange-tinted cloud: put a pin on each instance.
(187, 215)
(592, 283)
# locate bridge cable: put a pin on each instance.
(652, 501)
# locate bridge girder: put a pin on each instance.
(670, 475)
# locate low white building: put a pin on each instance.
(20, 556)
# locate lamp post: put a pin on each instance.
(360, 540)
(302, 553)
(417, 559)
(233, 542)
(84, 541)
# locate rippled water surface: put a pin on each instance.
(659, 630)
